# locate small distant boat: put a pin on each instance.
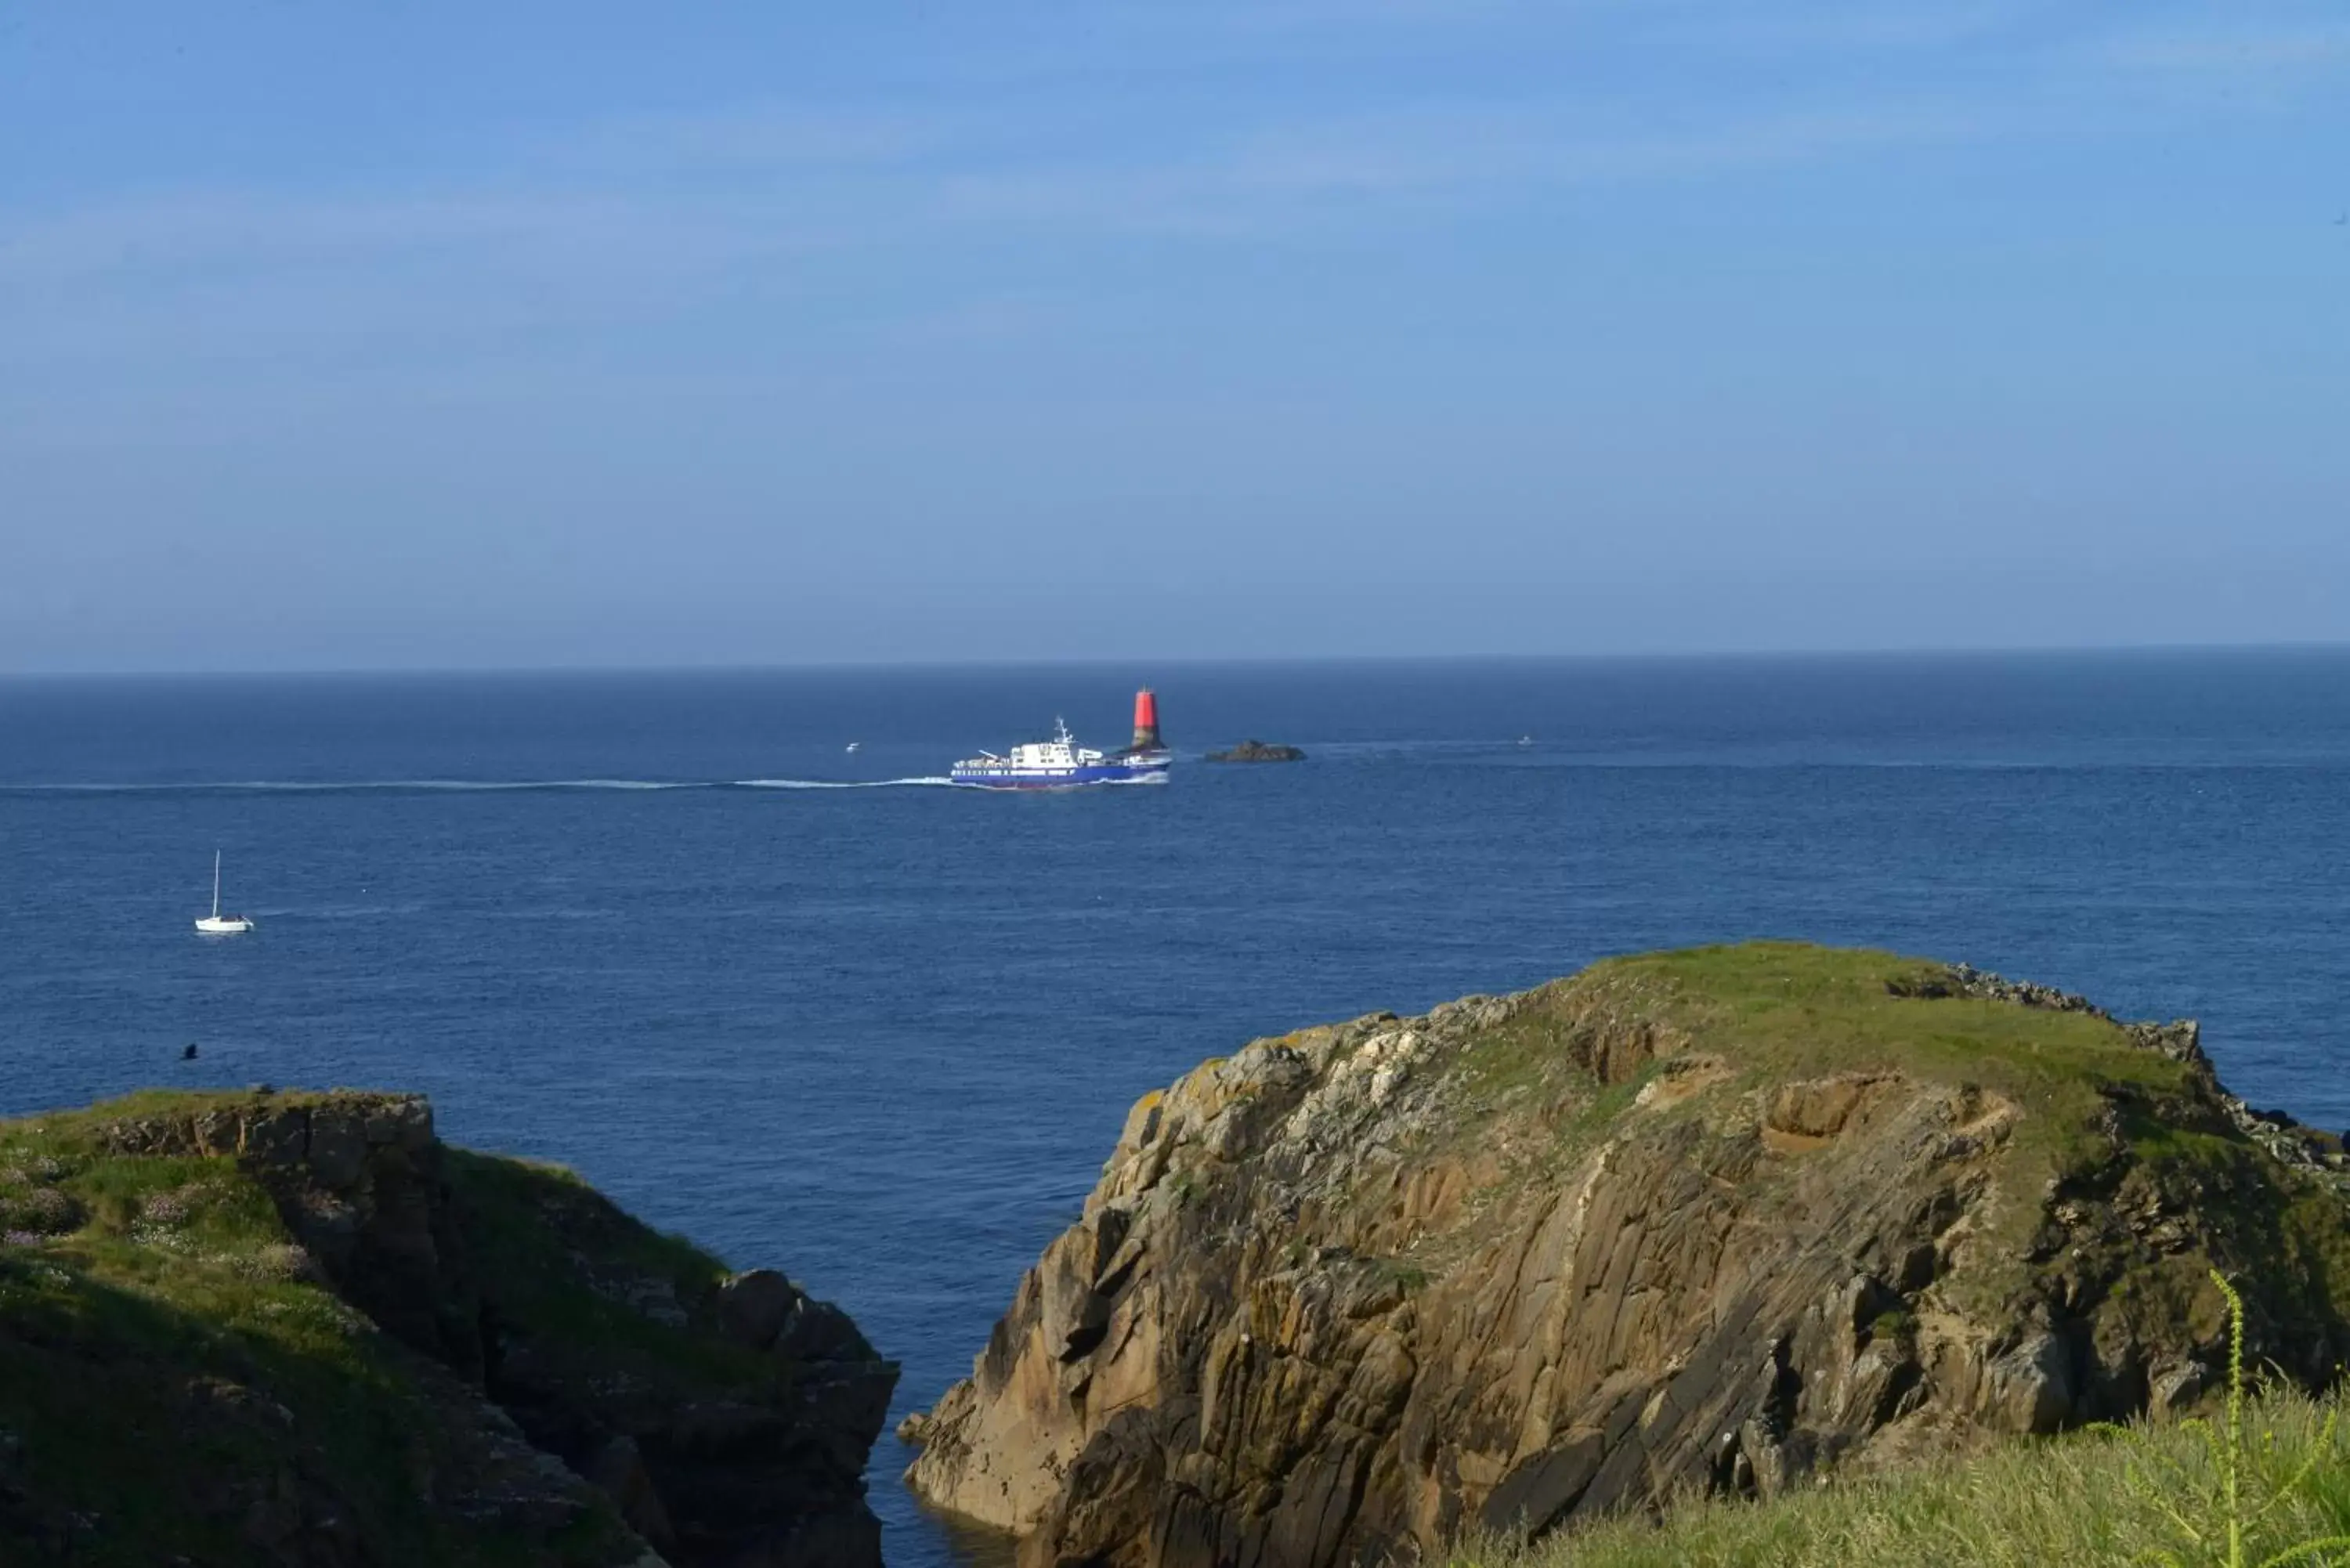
(854, 744)
(1525, 740)
(217, 924)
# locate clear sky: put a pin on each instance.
(436, 332)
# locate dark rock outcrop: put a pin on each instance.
(1714, 1220)
(1257, 752)
(538, 1378)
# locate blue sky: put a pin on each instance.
(426, 334)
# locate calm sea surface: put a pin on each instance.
(818, 1015)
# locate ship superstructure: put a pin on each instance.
(1061, 764)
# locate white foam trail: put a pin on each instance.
(463, 786)
(526, 783)
(352, 786)
(928, 783)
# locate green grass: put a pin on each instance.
(169, 1363)
(105, 1331)
(2267, 1485)
(1796, 1009)
(157, 1104)
(135, 1286)
(527, 1221)
(1779, 1013)
(2220, 1521)
(2061, 1501)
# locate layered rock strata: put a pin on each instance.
(1724, 1220)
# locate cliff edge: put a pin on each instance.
(1720, 1220)
(299, 1329)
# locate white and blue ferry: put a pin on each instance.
(1061, 764)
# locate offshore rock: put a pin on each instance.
(310, 1334)
(1257, 752)
(1719, 1220)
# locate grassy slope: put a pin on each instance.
(528, 1222)
(163, 1352)
(1783, 1010)
(2091, 1497)
(1777, 1013)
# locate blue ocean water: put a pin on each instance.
(667, 929)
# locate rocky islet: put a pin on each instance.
(1254, 750)
(1724, 1220)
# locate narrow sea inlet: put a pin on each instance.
(887, 1034)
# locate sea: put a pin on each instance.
(818, 1011)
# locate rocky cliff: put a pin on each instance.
(1720, 1220)
(298, 1330)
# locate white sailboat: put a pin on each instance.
(217, 924)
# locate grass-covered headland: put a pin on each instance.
(297, 1330)
(1873, 1250)
(2261, 1479)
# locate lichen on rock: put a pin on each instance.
(1724, 1220)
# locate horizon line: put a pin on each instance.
(876, 666)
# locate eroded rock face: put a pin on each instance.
(1529, 1259)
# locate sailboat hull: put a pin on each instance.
(217, 924)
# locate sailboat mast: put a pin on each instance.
(216, 884)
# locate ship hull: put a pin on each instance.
(1147, 770)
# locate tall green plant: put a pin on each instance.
(2215, 1522)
